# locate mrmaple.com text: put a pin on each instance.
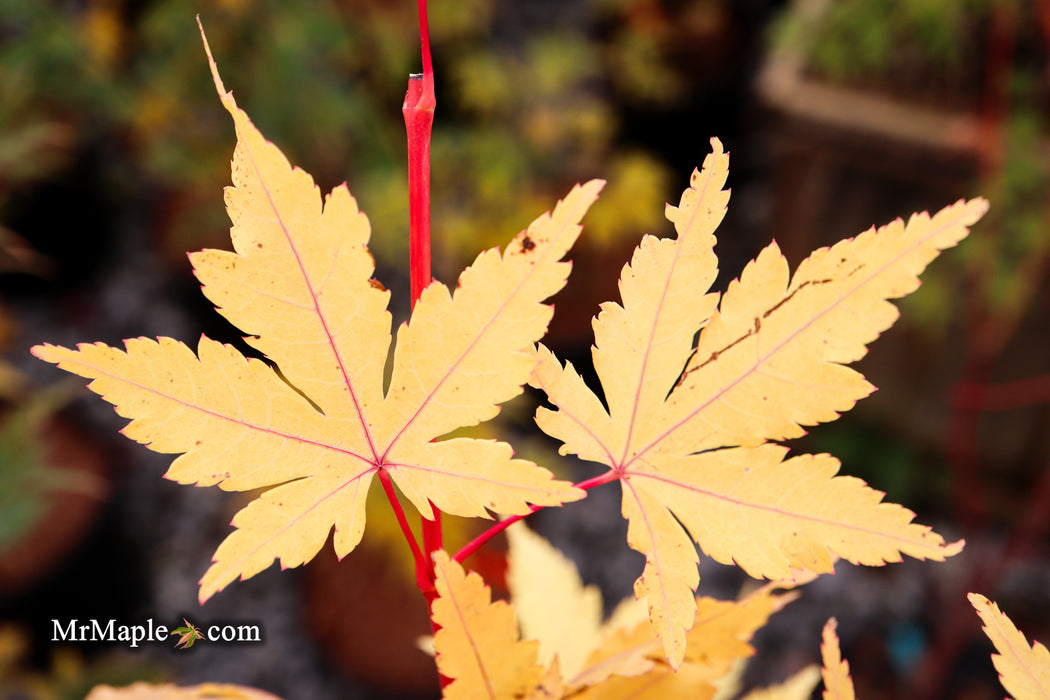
(75, 630)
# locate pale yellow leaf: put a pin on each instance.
(799, 687)
(319, 427)
(728, 686)
(551, 686)
(687, 428)
(553, 605)
(838, 685)
(623, 652)
(1023, 670)
(628, 613)
(477, 640)
(206, 691)
(720, 635)
(661, 683)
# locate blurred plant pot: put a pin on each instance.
(58, 480)
(847, 154)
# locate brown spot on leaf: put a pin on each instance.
(527, 244)
(376, 284)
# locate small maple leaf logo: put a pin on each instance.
(188, 635)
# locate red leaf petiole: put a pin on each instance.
(502, 525)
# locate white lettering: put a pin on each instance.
(138, 633)
(249, 633)
(100, 633)
(69, 634)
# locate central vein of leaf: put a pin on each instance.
(458, 605)
(101, 372)
(688, 486)
(313, 295)
(357, 481)
(656, 318)
(654, 555)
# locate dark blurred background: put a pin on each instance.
(114, 150)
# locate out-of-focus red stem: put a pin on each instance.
(982, 346)
(971, 391)
(1042, 11)
(1003, 396)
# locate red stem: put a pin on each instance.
(1002, 396)
(972, 390)
(476, 543)
(422, 567)
(418, 111)
(984, 342)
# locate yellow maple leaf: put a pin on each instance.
(632, 660)
(477, 640)
(206, 691)
(552, 604)
(688, 428)
(555, 609)
(620, 658)
(838, 685)
(319, 427)
(1023, 670)
(799, 687)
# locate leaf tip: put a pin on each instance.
(593, 187)
(950, 550)
(979, 207)
(224, 94)
(39, 351)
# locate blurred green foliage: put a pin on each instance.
(28, 480)
(874, 39)
(68, 675)
(522, 112)
(937, 52)
(994, 277)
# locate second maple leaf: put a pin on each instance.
(690, 430)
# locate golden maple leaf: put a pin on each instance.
(479, 646)
(319, 427)
(838, 684)
(477, 640)
(799, 687)
(686, 428)
(1023, 670)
